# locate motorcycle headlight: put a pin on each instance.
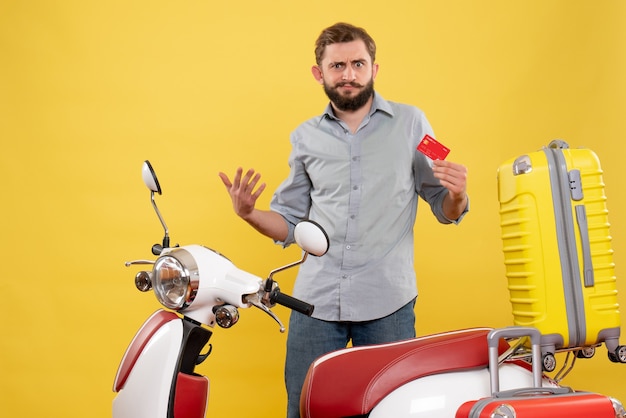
(175, 279)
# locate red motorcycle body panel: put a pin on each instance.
(191, 397)
(148, 329)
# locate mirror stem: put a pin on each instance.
(166, 238)
(288, 266)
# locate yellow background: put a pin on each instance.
(88, 90)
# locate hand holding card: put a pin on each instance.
(433, 149)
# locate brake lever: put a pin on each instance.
(255, 301)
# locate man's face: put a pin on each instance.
(347, 75)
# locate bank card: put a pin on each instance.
(432, 148)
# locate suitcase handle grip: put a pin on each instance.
(532, 392)
(558, 144)
(493, 342)
(583, 229)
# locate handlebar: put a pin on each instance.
(270, 295)
(291, 303)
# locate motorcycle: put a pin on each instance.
(449, 374)
(200, 288)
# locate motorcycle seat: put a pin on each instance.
(351, 381)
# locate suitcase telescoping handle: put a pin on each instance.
(493, 341)
(585, 245)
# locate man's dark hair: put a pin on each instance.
(343, 32)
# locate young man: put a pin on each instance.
(356, 171)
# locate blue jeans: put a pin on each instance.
(310, 338)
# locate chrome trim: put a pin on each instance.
(190, 270)
(503, 411)
(620, 412)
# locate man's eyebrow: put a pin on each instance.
(343, 62)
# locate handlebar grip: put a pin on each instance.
(292, 303)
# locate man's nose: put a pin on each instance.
(348, 73)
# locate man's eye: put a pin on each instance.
(338, 66)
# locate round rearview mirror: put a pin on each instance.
(311, 237)
(150, 178)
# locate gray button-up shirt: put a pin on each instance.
(363, 189)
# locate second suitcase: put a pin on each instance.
(540, 404)
(536, 401)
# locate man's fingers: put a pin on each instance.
(452, 176)
(225, 180)
(248, 176)
(258, 191)
(245, 183)
(237, 179)
(252, 183)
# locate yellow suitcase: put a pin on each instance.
(557, 250)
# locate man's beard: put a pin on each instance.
(349, 103)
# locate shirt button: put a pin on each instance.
(352, 216)
(355, 187)
(347, 247)
(345, 276)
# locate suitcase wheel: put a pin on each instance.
(586, 352)
(549, 362)
(619, 355)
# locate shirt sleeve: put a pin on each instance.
(292, 199)
(427, 186)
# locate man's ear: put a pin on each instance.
(374, 70)
(317, 73)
